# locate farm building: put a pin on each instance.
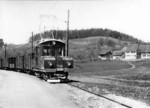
(144, 51)
(117, 55)
(105, 54)
(124, 49)
(131, 52)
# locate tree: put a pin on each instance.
(110, 43)
(101, 42)
(92, 54)
(1, 43)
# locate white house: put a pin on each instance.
(131, 52)
(144, 51)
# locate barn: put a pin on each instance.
(105, 54)
(117, 55)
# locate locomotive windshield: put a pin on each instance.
(53, 49)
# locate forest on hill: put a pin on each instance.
(84, 33)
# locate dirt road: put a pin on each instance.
(18, 90)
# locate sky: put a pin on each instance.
(18, 19)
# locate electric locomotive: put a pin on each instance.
(50, 59)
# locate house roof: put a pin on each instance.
(105, 50)
(144, 48)
(132, 47)
(117, 53)
(124, 49)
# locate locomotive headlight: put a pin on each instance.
(69, 64)
(50, 64)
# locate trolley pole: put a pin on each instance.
(5, 50)
(68, 33)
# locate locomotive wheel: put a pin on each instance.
(44, 76)
(66, 75)
(50, 75)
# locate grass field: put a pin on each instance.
(100, 68)
(115, 77)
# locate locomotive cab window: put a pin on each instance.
(53, 50)
(46, 51)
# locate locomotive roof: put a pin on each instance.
(37, 43)
(46, 40)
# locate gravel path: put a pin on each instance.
(133, 66)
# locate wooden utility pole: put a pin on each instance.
(68, 34)
(32, 42)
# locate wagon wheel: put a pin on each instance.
(45, 76)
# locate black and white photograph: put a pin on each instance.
(74, 53)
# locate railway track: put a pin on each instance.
(122, 104)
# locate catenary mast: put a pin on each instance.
(68, 33)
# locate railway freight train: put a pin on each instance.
(45, 58)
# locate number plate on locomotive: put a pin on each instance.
(60, 69)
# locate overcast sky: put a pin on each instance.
(19, 18)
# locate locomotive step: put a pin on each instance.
(53, 80)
